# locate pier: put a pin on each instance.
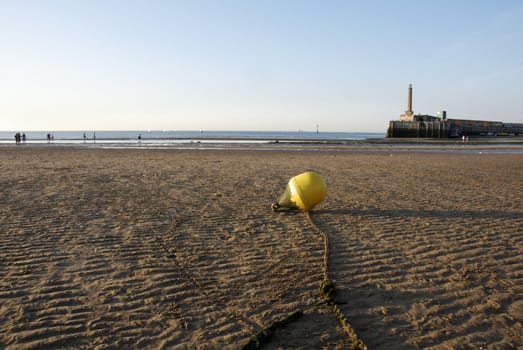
(428, 126)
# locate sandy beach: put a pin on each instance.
(179, 249)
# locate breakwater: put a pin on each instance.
(433, 127)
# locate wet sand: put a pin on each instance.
(179, 249)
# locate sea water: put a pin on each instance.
(255, 140)
(154, 137)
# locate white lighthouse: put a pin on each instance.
(409, 114)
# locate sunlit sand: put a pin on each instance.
(180, 249)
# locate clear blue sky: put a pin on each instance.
(256, 65)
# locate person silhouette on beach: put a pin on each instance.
(23, 137)
(17, 137)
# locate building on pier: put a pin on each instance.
(427, 126)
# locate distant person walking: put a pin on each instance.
(23, 137)
(17, 137)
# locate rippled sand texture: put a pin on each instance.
(179, 249)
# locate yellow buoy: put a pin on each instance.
(303, 192)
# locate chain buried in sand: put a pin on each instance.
(327, 290)
(192, 279)
(263, 336)
(264, 333)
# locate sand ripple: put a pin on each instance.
(171, 249)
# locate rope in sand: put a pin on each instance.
(327, 291)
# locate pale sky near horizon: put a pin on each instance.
(256, 65)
